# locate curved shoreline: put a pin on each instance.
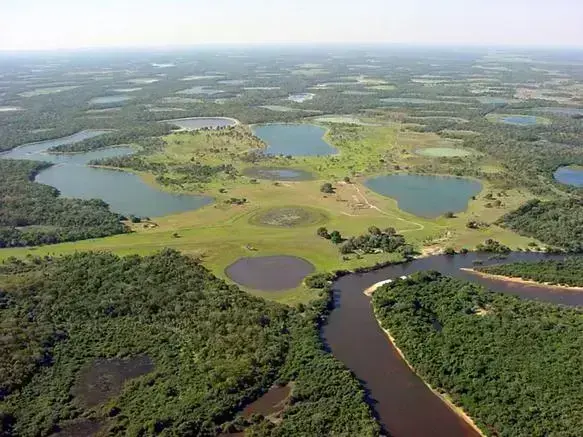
(459, 411)
(519, 280)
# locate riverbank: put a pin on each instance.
(522, 281)
(444, 397)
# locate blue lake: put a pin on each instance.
(570, 176)
(524, 120)
(426, 196)
(106, 100)
(294, 139)
(126, 193)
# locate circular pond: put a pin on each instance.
(443, 152)
(278, 174)
(517, 120)
(426, 196)
(288, 217)
(570, 175)
(269, 273)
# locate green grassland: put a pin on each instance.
(221, 233)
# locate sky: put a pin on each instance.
(69, 24)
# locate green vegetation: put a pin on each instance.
(567, 272)
(557, 223)
(512, 365)
(374, 241)
(203, 349)
(32, 214)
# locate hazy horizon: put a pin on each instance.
(34, 25)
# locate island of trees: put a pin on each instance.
(555, 272)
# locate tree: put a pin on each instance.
(327, 188)
(323, 232)
(449, 251)
(449, 214)
(347, 179)
(373, 230)
(336, 237)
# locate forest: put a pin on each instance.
(204, 350)
(33, 214)
(557, 223)
(511, 364)
(556, 272)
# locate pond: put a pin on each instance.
(301, 98)
(106, 100)
(269, 273)
(200, 90)
(195, 123)
(523, 120)
(426, 196)
(570, 175)
(125, 192)
(294, 139)
(278, 174)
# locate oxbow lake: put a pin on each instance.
(126, 193)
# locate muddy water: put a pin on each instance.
(404, 405)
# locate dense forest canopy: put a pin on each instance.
(33, 214)
(513, 365)
(207, 348)
(557, 223)
(557, 272)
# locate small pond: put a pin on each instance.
(294, 139)
(278, 174)
(301, 98)
(570, 175)
(200, 90)
(125, 192)
(106, 100)
(195, 123)
(270, 273)
(523, 120)
(426, 196)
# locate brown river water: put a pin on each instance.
(404, 406)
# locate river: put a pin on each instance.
(404, 406)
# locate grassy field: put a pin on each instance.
(221, 233)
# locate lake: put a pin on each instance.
(426, 196)
(523, 120)
(125, 192)
(301, 98)
(195, 123)
(278, 174)
(106, 100)
(200, 90)
(294, 139)
(570, 176)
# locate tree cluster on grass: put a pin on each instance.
(514, 366)
(236, 201)
(214, 349)
(557, 223)
(375, 240)
(559, 272)
(327, 188)
(492, 246)
(33, 214)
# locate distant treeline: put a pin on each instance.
(515, 366)
(32, 214)
(557, 272)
